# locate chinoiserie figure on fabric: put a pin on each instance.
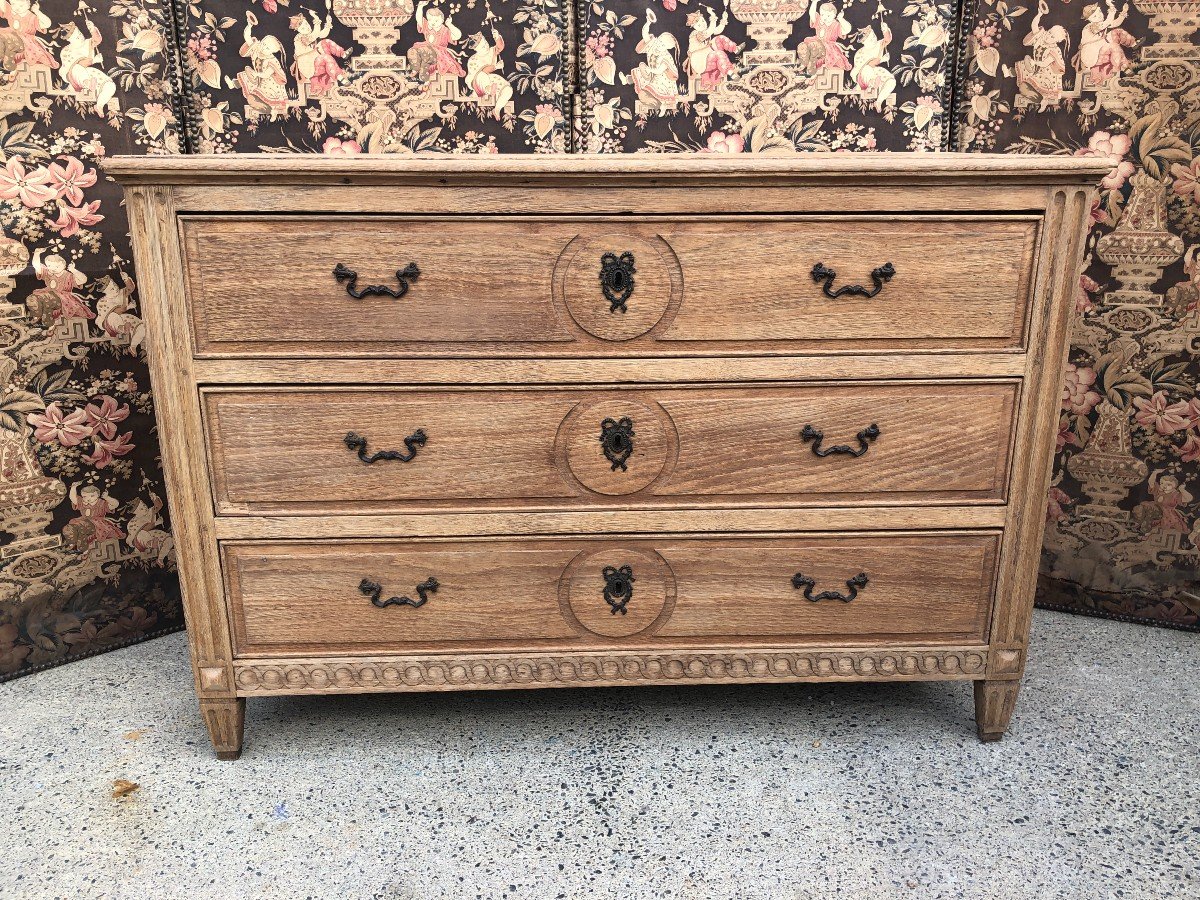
(57, 300)
(483, 73)
(436, 55)
(20, 41)
(92, 525)
(709, 51)
(656, 80)
(1040, 74)
(82, 66)
(314, 56)
(1103, 42)
(870, 71)
(264, 81)
(823, 49)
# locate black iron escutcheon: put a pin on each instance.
(356, 442)
(618, 588)
(880, 275)
(616, 437)
(800, 580)
(404, 276)
(373, 589)
(616, 279)
(864, 438)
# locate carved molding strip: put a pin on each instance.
(498, 671)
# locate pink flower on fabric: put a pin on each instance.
(335, 147)
(720, 142)
(1078, 396)
(1190, 451)
(69, 181)
(72, 218)
(1159, 414)
(104, 416)
(31, 188)
(56, 427)
(1187, 180)
(1103, 143)
(104, 452)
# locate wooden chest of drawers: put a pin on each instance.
(440, 423)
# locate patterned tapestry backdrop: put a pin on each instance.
(376, 76)
(86, 558)
(1124, 79)
(763, 75)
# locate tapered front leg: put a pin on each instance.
(225, 719)
(994, 704)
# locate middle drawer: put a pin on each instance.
(330, 450)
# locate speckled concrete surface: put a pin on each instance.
(707, 792)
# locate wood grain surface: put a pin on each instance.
(530, 286)
(507, 354)
(737, 591)
(276, 450)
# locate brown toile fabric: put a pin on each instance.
(1123, 534)
(375, 76)
(86, 559)
(763, 75)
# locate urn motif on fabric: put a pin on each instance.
(1121, 79)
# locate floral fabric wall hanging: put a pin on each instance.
(86, 559)
(1124, 79)
(763, 75)
(377, 76)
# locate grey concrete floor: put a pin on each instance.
(764, 791)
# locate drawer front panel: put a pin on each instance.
(270, 285)
(345, 597)
(300, 451)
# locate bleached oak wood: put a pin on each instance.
(177, 404)
(541, 447)
(674, 370)
(729, 517)
(529, 285)
(304, 598)
(964, 365)
(669, 198)
(649, 170)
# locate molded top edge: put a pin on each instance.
(290, 168)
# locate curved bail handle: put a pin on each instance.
(864, 438)
(409, 273)
(374, 589)
(357, 443)
(855, 584)
(880, 275)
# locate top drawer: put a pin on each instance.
(525, 286)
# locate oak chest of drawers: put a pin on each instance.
(440, 423)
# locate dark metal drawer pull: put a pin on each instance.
(618, 588)
(821, 273)
(864, 437)
(616, 438)
(799, 580)
(373, 589)
(404, 276)
(616, 279)
(356, 442)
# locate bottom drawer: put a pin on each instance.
(409, 596)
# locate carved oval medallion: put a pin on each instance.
(617, 591)
(617, 285)
(617, 445)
